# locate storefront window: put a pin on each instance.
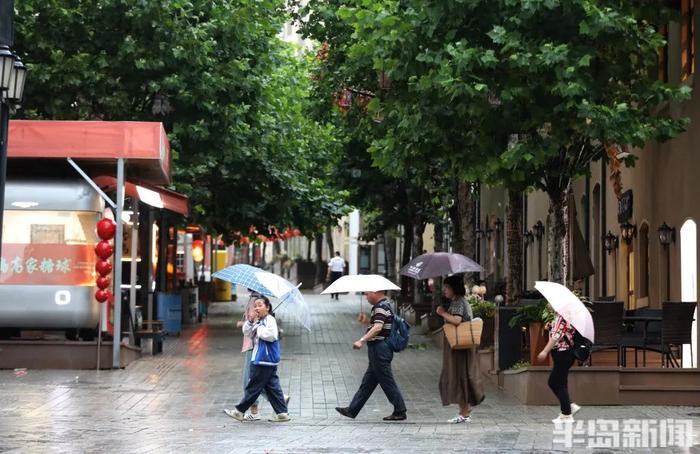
(48, 247)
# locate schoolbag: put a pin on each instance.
(398, 337)
(581, 347)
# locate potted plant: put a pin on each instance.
(487, 312)
(534, 318)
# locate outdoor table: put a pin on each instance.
(646, 319)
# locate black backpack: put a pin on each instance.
(581, 347)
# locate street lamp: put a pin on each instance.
(628, 232)
(538, 229)
(610, 241)
(12, 77)
(7, 61)
(667, 235)
(18, 75)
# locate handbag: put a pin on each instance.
(465, 335)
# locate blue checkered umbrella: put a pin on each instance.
(269, 284)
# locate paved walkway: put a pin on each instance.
(173, 402)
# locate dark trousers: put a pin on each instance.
(378, 373)
(263, 378)
(335, 275)
(559, 378)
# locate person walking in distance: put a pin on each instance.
(380, 355)
(336, 267)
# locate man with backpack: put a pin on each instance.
(381, 342)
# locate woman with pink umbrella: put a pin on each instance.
(564, 344)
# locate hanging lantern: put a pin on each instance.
(104, 249)
(103, 282)
(344, 101)
(102, 295)
(103, 267)
(106, 229)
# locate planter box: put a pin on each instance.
(488, 333)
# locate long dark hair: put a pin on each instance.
(267, 302)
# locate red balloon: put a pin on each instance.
(104, 267)
(103, 282)
(106, 228)
(104, 249)
(102, 295)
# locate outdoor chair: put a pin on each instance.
(676, 330)
(607, 320)
(641, 334)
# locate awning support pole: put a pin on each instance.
(132, 278)
(92, 183)
(118, 247)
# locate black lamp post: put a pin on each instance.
(611, 243)
(538, 230)
(12, 77)
(628, 232)
(479, 234)
(667, 235)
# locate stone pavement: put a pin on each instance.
(174, 402)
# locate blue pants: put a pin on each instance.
(246, 372)
(378, 373)
(263, 378)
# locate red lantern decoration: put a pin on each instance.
(102, 295)
(103, 282)
(106, 229)
(103, 267)
(104, 249)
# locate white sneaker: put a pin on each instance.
(235, 414)
(459, 419)
(250, 416)
(563, 419)
(280, 417)
(575, 408)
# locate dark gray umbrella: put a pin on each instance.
(439, 264)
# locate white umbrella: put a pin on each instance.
(285, 291)
(360, 283)
(566, 304)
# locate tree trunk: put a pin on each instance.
(418, 230)
(390, 254)
(437, 282)
(329, 241)
(308, 249)
(406, 256)
(463, 219)
(320, 274)
(558, 240)
(514, 237)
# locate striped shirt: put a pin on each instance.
(381, 313)
(563, 332)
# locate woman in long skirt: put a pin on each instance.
(460, 380)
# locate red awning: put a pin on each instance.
(144, 145)
(151, 195)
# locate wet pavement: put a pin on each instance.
(174, 402)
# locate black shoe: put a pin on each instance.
(395, 417)
(345, 411)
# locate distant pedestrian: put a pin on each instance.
(263, 368)
(336, 268)
(561, 340)
(460, 379)
(380, 355)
